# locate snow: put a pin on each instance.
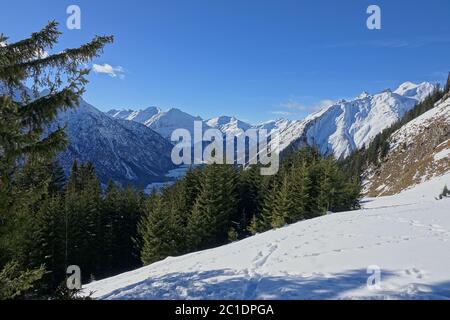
(228, 125)
(407, 133)
(415, 91)
(442, 155)
(336, 129)
(166, 122)
(406, 236)
(426, 191)
(348, 125)
(126, 151)
(140, 116)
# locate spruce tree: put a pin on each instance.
(204, 219)
(24, 114)
(253, 226)
(250, 198)
(47, 242)
(282, 206)
(447, 85)
(154, 229)
(299, 192)
(264, 220)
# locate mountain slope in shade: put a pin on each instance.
(407, 236)
(125, 151)
(419, 151)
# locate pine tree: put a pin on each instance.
(282, 206)
(299, 193)
(214, 207)
(203, 221)
(108, 223)
(227, 195)
(447, 85)
(232, 235)
(23, 116)
(264, 220)
(155, 232)
(15, 282)
(58, 180)
(250, 198)
(253, 226)
(47, 242)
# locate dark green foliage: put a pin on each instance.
(46, 220)
(214, 207)
(447, 85)
(15, 282)
(307, 186)
(229, 204)
(31, 184)
(81, 226)
(155, 229)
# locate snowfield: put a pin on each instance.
(407, 236)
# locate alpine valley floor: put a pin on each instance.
(407, 236)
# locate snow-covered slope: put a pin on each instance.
(349, 125)
(407, 236)
(419, 150)
(125, 151)
(140, 116)
(228, 125)
(166, 122)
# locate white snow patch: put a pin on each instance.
(442, 155)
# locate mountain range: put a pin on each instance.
(125, 151)
(134, 147)
(337, 129)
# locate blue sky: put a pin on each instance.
(255, 59)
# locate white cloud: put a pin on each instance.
(109, 70)
(298, 106)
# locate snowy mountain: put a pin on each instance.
(348, 125)
(167, 121)
(228, 125)
(125, 151)
(404, 237)
(337, 129)
(418, 151)
(163, 122)
(138, 116)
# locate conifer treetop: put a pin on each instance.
(29, 59)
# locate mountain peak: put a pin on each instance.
(363, 95)
(219, 121)
(415, 91)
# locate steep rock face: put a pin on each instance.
(419, 151)
(125, 151)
